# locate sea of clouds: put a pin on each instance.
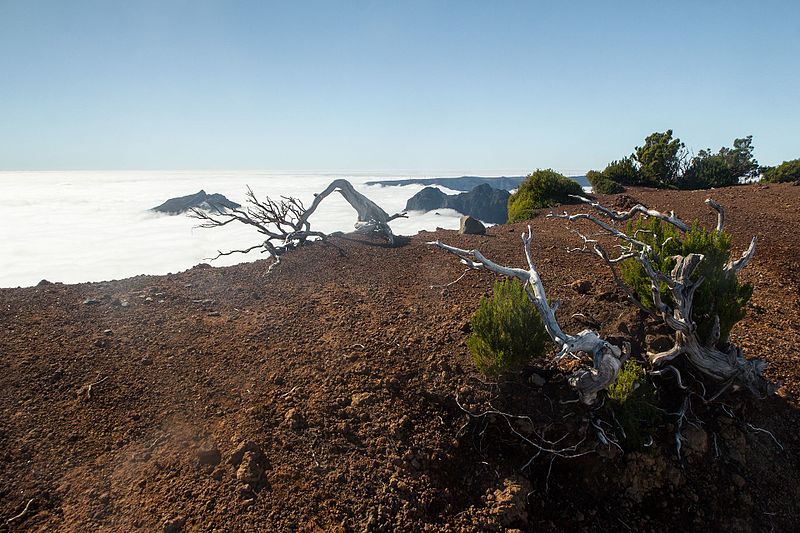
(95, 226)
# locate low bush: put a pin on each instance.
(785, 172)
(720, 294)
(602, 185)
(633, 401)
(624, 172)
(507, 330)
(543, 188)
(722, 169)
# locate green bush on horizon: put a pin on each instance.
(722, 169)
(720, 293)
(602, 185)
(785, 172)
(542, 188)
(507, 330)
(624, 172)
(660, 159)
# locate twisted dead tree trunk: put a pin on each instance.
(371, 218)
(607, 359)
(285, 223)
(725, 363)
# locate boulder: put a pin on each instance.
(484, 202)
(471, 226)
(199, 200)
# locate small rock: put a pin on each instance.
(471, 226)
(91, 301)
(250, 472)
(581, 286)
(107, 332)
(509, 503)
(213, 313)
(245, 446)
(294, 419)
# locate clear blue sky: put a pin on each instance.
(425, 86)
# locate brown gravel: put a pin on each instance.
(322, 397)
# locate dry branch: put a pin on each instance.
(284, 223)
(22, 514)
(607, 358)
(723, 364)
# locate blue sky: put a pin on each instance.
(482, 86)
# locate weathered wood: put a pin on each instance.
(285, 222)
(630, 213)
(724, 364)
(607, 358)
(370, 215)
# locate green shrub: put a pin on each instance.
(706, 171)
(602, 185)
(507, 330)
(543, 188)
(627, 381)
(632, 400)
(624, 172)
(785, 172)
(660, 159)
(720, 293)
(723, 169)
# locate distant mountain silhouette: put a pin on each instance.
(467, 183)
(199, 200)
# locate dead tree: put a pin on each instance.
(725, 364)
(607, 358)
(285, 223)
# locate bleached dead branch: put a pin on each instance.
(607, 359)
(723, 364)
(285, 223)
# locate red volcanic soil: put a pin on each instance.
(322, 397)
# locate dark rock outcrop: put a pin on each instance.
(471, 226)
(484, 202)
(200, 200)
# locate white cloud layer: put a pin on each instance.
(94, 226)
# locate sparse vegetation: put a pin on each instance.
(624, 172)
(660, 159)
(507, 330)
(633, 402)
(785, 172)
(663, 162)
(725, 168)
(720, 294)
(543, 188)
(602, 185)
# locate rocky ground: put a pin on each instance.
(323, 396)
